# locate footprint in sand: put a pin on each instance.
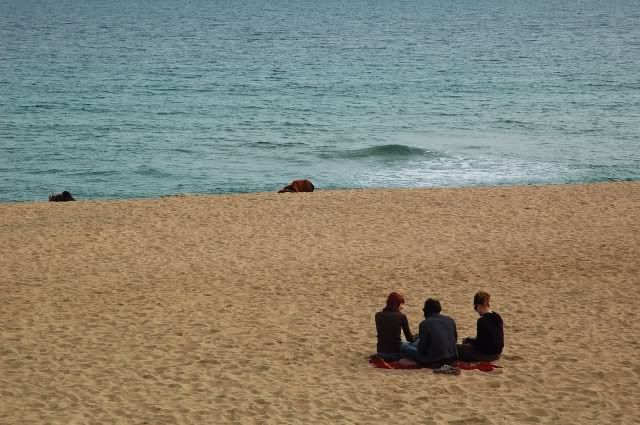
(476, 420)
(209, 362)
(512, 358)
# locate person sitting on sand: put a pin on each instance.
(436, 342)
(61, 197)
(489, 340)
(389, 322)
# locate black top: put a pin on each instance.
(490, 337)
(388, 325)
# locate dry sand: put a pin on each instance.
(259, 308)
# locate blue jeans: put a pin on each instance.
(410, 350)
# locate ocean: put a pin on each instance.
(130, 99)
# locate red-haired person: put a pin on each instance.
(489, 340)
(389, 322)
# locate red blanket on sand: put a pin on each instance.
(376, 361)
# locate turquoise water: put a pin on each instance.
(122, 99)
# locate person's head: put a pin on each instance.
(481, 302)
(395, 301)
(431, 306)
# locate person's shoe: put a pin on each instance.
(447, 370)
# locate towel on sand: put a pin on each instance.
(376, 361)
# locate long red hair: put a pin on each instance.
(394, 301)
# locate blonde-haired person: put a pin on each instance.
(489, 340)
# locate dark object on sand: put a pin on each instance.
(298, 186)
(61, 197)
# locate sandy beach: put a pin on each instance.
(258, 308)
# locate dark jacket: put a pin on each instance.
(388, 325)
(490, 334)
(437, 339)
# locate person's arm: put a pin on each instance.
(423, 342)
(406, 330)
(479, 331)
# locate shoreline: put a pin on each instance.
(259, 307)
(187, 195)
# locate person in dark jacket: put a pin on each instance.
(436, 344)
(389, 322)
(489, 341)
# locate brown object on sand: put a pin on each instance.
(298, 186)
(61, 197)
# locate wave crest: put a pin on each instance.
(391, 152)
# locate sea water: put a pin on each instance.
(141, 98)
